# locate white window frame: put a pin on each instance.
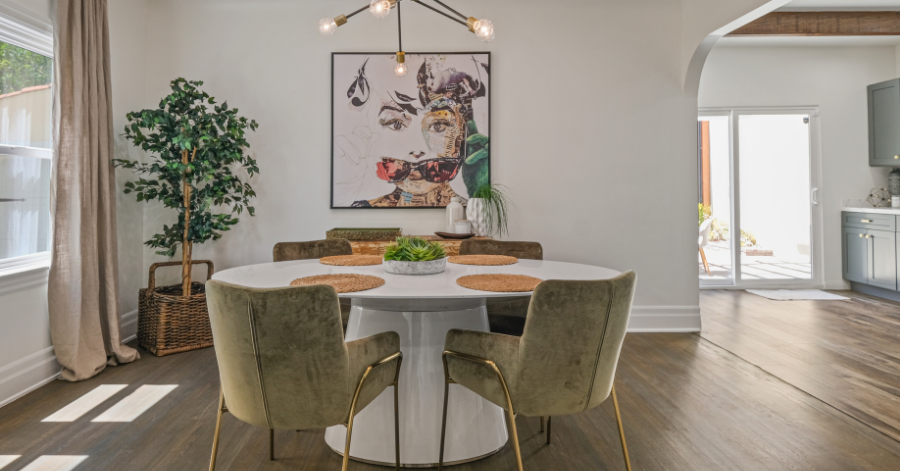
(23, 28)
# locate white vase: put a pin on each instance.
(455, 212)
(476, 214)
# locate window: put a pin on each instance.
(25, 146)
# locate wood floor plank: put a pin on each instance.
(687, 404)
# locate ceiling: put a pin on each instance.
(858, 5)
(816, 41)
(809, 41)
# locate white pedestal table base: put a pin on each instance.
(476, 428)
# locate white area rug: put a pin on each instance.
(797, 294)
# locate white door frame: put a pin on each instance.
(817, 256)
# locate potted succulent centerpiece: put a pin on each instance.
(196, 158)
(414, 256)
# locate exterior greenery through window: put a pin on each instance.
(25, 155)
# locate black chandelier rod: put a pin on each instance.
(439, 2)
(441, 13)
(399, 28)
(358, 11)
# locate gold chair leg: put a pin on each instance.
(271, 444)
(397, 421)
(362, 381)
(215, 448)
(548, 428)
(444, 417)
(514, 434)
(705, 263)
(621, 430)
(542, 424)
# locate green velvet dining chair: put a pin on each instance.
(284, 364)
(314, 250)
(564, 363)
(505, 315)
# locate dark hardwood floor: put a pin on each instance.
(687, 404)
(845, 353)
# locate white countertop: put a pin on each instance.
(863, 206)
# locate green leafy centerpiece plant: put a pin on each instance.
(415, 256)
(194, 152)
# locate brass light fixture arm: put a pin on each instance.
(511, 412)
(362, 381)
(439, 2)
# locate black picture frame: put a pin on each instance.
(409, 53)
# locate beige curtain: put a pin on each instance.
(83, 289)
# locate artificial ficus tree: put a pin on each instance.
(194, 153)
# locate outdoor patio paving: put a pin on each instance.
(718, 254)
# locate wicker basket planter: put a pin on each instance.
(169, 322)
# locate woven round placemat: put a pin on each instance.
(499, 283)
(342, 283)
(484, 260)
(351, 260)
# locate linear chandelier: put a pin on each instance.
(484, 29)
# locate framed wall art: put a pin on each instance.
(413, 141)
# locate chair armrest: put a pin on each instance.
(502, 350)
(367, 352)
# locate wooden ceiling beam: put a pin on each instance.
(823, 23)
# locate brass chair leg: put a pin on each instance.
(215, 448)
(362, 381)
(444, 417)
(512, 414)
(621, 430)
(705, 263)
(542, 424)
(548, 428)
(271, 444)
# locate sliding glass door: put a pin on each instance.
(757, 203)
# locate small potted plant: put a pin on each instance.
(414, 256)
(488, 210)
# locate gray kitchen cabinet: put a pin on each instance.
(884, 124)
(882, 258)
(856, 255)
(870, 248)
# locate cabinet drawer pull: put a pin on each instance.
(867, 221)
(861, 236)
(897, 157)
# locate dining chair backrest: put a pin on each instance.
(310, 250)
(571, 343)
(704, 232)
(281, 354)
(523, 250)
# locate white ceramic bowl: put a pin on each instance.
(432, 267)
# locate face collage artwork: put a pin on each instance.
(414, 141)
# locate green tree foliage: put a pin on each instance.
(21, 68)
(194, 153)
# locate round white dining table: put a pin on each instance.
(422, 309)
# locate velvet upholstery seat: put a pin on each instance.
(314, 250)
(505, 315)
(284, 364)
(564, 362)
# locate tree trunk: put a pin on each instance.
(186, 245)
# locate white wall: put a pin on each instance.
(832, 78)
(571, 105)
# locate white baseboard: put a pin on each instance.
(664, 319)
(128, 326)
(23, 376)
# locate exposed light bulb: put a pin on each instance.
(327, 26)
(380, 8)
(400, 70)
(484, 29)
